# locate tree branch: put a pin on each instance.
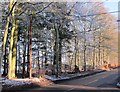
(11, 9)
(43, 8)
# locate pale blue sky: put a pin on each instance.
(112, 6)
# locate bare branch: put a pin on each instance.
(11, 9)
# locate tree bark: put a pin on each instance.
(60, 56)
(30, 76)
(24, 56)
(3, 53)
(11, 73)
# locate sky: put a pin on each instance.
(112, 5)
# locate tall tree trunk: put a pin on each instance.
(54, 63)
(75, 66)
(78, 58)
(93, 58)
(84, 51)
(10, 73)
(84, 58)
(5, 36)
(42, 59)
(45, 56)
(96, 57)
(99, 52)
(38, 56)
(5, 63)
(30, 76)
(69, 60)
(93, 52)
(16, 59)
(17, 63)
(103, 56)
(38, 60)
(60, 56)
(56, 51)
(28, 56)
(14, 56)
(24, 56)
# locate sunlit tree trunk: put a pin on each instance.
(14, 56)
(11, 73)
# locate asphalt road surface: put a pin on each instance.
(101, 82)
(104, 79)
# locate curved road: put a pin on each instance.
(104, 79)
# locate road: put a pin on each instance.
(102, 81)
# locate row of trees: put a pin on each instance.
(40, 34)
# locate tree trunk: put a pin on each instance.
(60, 56)
(93, 58)
(54, 63)
(56, 51)
(84, 58)
(99, 49)
(38, 59)
(17, 64)
(42, 59)
(11, 73)
(94, 52)
(30, 76)
(5, 40)
(45, 57)
(28, 56)
(24, 56)
(5, 63)
(75, 66)
(14, 56)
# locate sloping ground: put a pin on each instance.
(17, 84)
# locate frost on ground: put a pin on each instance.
(54, 78)
(63, 77)
(16, 83)
(70, 76)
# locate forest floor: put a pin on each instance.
(8, 84)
